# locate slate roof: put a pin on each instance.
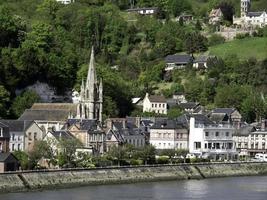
(5, 130)
(199, 119)
(244, 130)
(45, 115)
(227, 111)
(17, 125)
(178, 59)
(84, 124)
(172, 103)
(254, 14)
(129, 129)
(189, 105)
(201, 59)
(62, 134)
(55, 106)
(218, 117)
(168, 124)
(157, 98)
(6, 156)
(139, 9)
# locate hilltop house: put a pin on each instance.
(144, 11)
(215, 16)
(66, 1)
(201, 62)
(250, 19)
(169, 134)
(155, 103)
(177, 61)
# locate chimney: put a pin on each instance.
(109, 123)
(138, 121)
(263, 125)
(123, 124)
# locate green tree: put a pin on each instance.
(195, 43)
(23, 159)
(4, 99)
(24, 101)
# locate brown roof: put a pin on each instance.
(45, 115)
(156, 98)
(55, 106)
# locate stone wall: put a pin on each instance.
(60, 179)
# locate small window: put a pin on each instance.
(155, 105)
(197, 145)
(19, 147)
(13, 137)
(217, 134)
(30, 136)
(227, 134)
(1, 132)
(163, 105)
(159, 105)
(152, 105)
(35, 136)
(13, 147)
(207, 134)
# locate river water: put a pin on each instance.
(234, 188)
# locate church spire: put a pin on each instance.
(91, 74)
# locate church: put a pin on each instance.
(248, 18)
(89, 105)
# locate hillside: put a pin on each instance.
(244, 48)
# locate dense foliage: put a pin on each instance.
(42, 40)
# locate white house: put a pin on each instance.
(248, 18)
(207, 139)
(168, 134)
(215, 16)
(155, 103)
(144, 11)
(17, 130)
(66, 1)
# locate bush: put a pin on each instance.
(216, 39)
(242, 36)
(136, 162)
(163, 160)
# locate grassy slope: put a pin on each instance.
(244, 49)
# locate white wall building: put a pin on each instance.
(211, 140)
(153, 103)
(250, 19)
(168, 134)
(66, 1)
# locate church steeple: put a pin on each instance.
(91, 93)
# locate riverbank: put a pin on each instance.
(36, 180)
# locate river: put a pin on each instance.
(233, 188)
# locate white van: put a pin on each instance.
(261, 157)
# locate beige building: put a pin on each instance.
(168, 134)
(155, 103)
(89, 133)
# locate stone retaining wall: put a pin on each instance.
(23, 181)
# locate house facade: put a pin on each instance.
(4, 138)
(177, 61)
(248, 18)
(88, 133)
(168, 134)
(211, 140)
(66, 1)
(215, 16)
(144, 11)
(154, 103)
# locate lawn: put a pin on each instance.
(244, 48)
